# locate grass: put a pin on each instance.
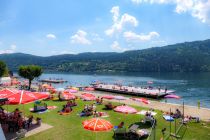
(70, 127)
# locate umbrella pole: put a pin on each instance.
(170, 121)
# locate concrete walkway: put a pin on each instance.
(34, 129)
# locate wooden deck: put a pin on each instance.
(158, 96)
(135, 91)
(52, 81)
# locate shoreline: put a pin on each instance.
(202, 113)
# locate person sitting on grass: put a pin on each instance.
(86, 112)
(101, 101)
(121, 125)
(30, 120)
(38, 121)
(67, 109)
(98, 100)
(74, 103)
(69, 103)
(109, 106)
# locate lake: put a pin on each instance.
(192, 87)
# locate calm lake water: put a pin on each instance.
(190, 86)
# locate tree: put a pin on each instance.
(30, 72)
(3, 68)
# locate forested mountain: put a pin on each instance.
(182, 57)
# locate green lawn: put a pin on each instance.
(70, 127)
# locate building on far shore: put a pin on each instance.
(4, 80)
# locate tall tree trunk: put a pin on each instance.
(29, 84)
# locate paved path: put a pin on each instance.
(32, 131)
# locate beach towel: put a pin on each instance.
(64, 113)
(51, 107)
(168, 118)
(143, 112)
(103, 114)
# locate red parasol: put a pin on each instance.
(68, 96)
(125, 109)
(97, 124)
(108, 97)
(21, 96)
(88, 96)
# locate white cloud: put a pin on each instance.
(118, 24)
(131, 36)
(13, 47)
(10, 50)
(80, 38)
(115, 11)
(96, 37)
(199, 9)
(116, 47)
(51, 36)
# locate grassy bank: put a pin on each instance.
(70, 127)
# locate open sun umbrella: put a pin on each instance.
(125, 109)
(120, 98)
(108, 97)
(143, 100)
(89, 89)
(60, 89)
(73, 90)
(67, 96)
(88, 97)
(172, 96)
(22, 96)
(97, 124)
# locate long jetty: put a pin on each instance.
(52, 81)
(136, 91)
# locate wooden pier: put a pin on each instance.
(52, 81)
(149, 93)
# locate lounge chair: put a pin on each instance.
(148, 119)
(119, 131)
(135, 132)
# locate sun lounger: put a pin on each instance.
(168, 118)
(148, 119)
(119, 131)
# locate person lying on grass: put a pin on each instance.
(65, 109)
(109, 106)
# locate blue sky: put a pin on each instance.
(53, 27)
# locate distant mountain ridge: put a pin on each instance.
(181, 57)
